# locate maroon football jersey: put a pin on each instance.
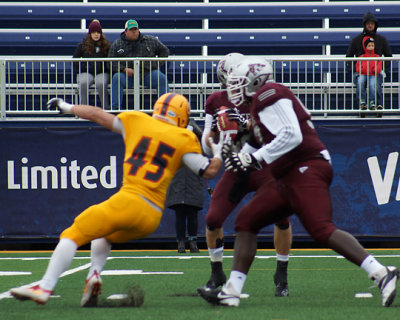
(311, 145)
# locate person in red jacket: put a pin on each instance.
(368, 70)
(370, 29)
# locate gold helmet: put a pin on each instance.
(172, 108)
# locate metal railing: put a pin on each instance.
(323, 84)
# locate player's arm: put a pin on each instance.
(281, 120)
(207, 133)
(87, 112)
(203, 166)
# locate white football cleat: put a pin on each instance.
(36, 293)
(91, 290)
(386, 279)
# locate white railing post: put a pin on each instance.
(136, 84)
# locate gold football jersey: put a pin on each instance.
(153, 153)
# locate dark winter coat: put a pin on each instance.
(144, 46)
(94, 67)
(356, 49)
(186, 187)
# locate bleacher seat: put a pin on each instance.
(255, 28)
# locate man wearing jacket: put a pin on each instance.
(356, 49)
(132, 43)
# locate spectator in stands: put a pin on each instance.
(94, 45)
(185, 196)
(368, 72)
(132, 43)
(370, 24)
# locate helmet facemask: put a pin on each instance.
(246, 78)
(236, 86)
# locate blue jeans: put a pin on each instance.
(154, 79)
(371, 83)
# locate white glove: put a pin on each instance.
(217, 147)
(60, 105)
(383, 74)
(234, 115)
(241, 161)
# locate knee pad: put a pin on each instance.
(210, 228)
(219, 243)
(283, 226)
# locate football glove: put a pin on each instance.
(240, 161)
(214, 123)
(227, 148)
(234, 115)
(217, 147)
(60, 105)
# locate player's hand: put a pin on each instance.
(227, 148)
(214, 123)
(240, 161)
(60, 105)
(234, 115)
(217, 147)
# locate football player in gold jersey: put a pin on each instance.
(155, 148)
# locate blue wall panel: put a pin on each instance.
(82, 166)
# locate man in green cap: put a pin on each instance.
(132, 43)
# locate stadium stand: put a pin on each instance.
(307, 42)
(187, 27)
(313, 28)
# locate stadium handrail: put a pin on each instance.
(312, 78)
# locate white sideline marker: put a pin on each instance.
(15, 273)
(363, 295)
(130, 272)
(117, 296)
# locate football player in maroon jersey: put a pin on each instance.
(302, 170)
(233, 186)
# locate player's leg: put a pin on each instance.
(59, 262)
(313, 205)
(283, 244)
(265, 208)
(79, 233)
(100, 250)
(220, 208)
(215, 244)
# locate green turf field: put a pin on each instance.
(322, 286)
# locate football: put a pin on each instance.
(225, 124)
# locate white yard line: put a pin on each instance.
(117, 272)
(7, 294)
(201, 257)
